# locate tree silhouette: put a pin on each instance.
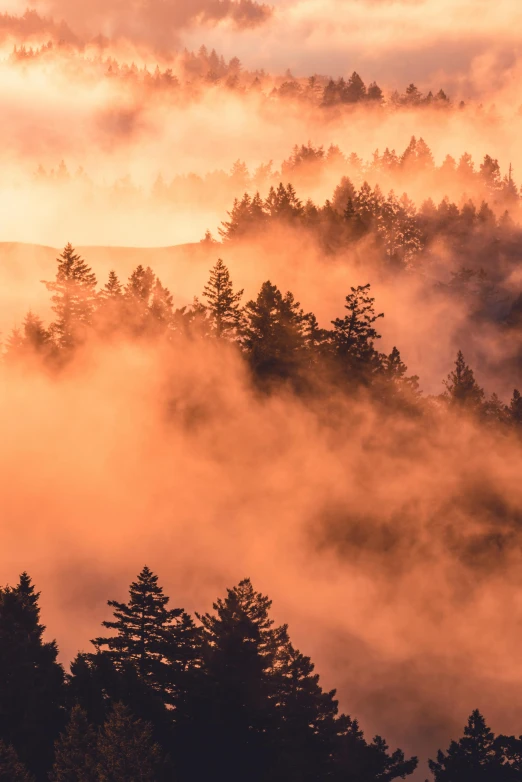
(478, 756)
(76, 751)
(274, 332)
(126, 750)
(462, 390)
(11, 770)
(222, 302)
(353, 336)
(355, 760)
(31, 691)
(241, 649)
(73, 299)
(156, 640)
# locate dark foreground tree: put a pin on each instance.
(31, 684)
(158, 641)
(75, 751)
(479, 756)
(356, 760)
(11, 770)
(241, 649)
(126, 750)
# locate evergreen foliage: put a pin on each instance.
(222, 302)
(479, 756)
(31, 690)
(11, 770)
(462, 390)
(73, 299)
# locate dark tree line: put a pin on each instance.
(281, 343)
(165, 696)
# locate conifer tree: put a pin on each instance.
(11, 770)
(31, 690)
(355, 90)
(137, 297)
(353, 336)
(14, 346)
(75, 757)
(126, 750)
(73, 298)
(308, 727)
(161, 307)
(375, 94)
(274, 332)
(222, 303)
(149, 635)
(356, 760)
(241, 220)
(462, 390)
(241, 650)
(515, 408)
(343, 193)
(36, 336)
(397, 384)
(112, 289)
(478, 756)
(110, 309)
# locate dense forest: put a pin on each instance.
(280, 343)
(283, 341)
(163, 695)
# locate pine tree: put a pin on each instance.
(398, 386)
(223, 304)
(274, 332)
(353, 336)
(375, 93)
(11, 770)
(110, 311)
(355, 760)
(478, 756)
(73, 299)
(355, 90)
(308, 728)
(424, 155)
(126, 750)
(149, 635)
(31, 684)
(462, 390)
(343, 193)
(161, 307)
(136, 299)
(241, 220)
(490, 173)
(112, 289)
(14, 346)
(75, 751)
(36, 336)
(515, 408)
(241, 651)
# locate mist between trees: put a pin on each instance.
(250, 400)
(281, 344)
(166, 696)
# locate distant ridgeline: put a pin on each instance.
(40, 38)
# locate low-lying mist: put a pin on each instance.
(380, 538)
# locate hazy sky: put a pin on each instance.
(457, 42)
